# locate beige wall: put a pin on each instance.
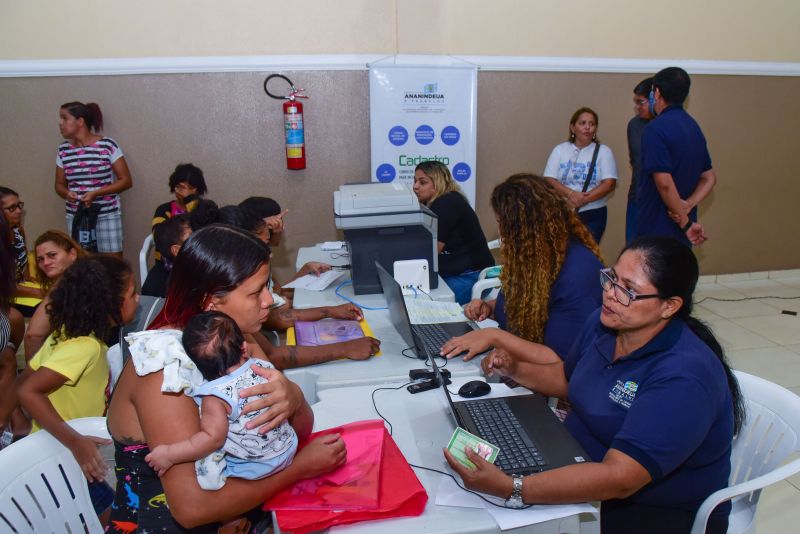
(737, 30)
(225, 124)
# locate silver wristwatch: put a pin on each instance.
(515, 501)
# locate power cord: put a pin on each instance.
(391, 429)
(468, 490)
(744, 298)
(427, 362)
(375, 406)
(424, 292)
(351, 301)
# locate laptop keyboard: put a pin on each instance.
(497, 424)
(432, 335)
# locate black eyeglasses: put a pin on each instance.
(623, 296)
(15, 207)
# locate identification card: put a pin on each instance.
(462, 439)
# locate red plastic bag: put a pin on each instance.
(400, 494)
(353, 486)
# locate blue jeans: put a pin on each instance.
(595, 221)
(461, 284)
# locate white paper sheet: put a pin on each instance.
(332, 245)
(449, 494)
(426, 311)
(314, 282)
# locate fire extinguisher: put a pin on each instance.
(292, 123)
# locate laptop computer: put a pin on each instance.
(418, 336)
(530, 436)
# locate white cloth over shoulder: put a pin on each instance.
(154, 350)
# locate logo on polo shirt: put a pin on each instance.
(623, 393)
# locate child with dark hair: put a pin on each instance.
(69, 377)
(168, 237)
(268, 209)
(188, 185)
(224, 446)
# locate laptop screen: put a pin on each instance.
(397, 306)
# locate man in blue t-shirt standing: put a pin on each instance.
(676, 166)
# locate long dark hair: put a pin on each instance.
(673, 270)
(8, 283)
(211, 263)
(88, 298)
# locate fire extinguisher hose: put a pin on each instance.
(293, 94)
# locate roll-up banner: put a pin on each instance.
(422, 112)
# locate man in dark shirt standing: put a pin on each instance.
(635, 130)
(676, 166)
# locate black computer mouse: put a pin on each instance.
(475, 388)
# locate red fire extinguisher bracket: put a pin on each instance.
(293, 123)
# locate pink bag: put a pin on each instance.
(399, 491)
(353, 486)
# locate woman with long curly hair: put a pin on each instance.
(549, 284)
(69, 377)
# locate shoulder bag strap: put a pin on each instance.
(591, 167)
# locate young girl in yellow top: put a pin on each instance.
(68, 378)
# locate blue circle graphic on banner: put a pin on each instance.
(385, 173)
(398, 136)
(461, 172)
(424, 135)
(450, 135)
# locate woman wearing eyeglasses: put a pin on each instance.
(12, 212)
(654, 403)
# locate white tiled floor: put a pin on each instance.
(760, 340)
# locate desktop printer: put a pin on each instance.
(384, 222)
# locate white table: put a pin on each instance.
(421, 427)
(389, 366)
(313, 299)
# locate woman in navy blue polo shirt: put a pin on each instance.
(654, 402)
(550, 264)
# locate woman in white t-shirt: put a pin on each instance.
(569, 165)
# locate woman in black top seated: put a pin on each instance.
(463, 251)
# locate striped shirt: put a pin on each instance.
(87, 168)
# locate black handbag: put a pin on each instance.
(84, 227)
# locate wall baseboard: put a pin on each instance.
(184, 65)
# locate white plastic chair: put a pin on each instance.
(770, 435)
(44, 489)
(143, 253)
(487, 279)
(487, 282)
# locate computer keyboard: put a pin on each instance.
(433, 336)
(497, 424)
